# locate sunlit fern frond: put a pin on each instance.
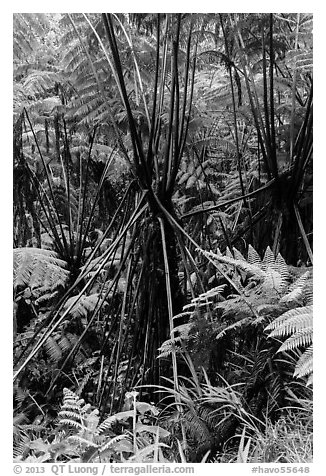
(304, 367)
(65, 198)
(300, 289)
(83, 307)
(215, 293)
(169, 346)
(253, 256)
(27, 29)
(251, 269)
(53, 349)
(120, 416)
(42, 271)
(271, 272)
(75, 413)
(60, 345)
(238, 325)
(298, 324)
(275, 280)
(291, 321)
(268, 260)
(301, 338)
(39, 82)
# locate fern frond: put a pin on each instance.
(304, 365)
(297, 289)
(197, 429)
(71, 422)
(34, 266)
(238, 256)
(120, 416)
(235, 325)
(168, 347)
(53, 349)
(241, 263)
(302, 338)
(268, 260)
(84, 307)
(39, 82)
(27, 29)
(211, 293)
(298, 323)
(274, 280)
(281, 267)
(291, 321)
(253, 257)
(183, 330)
(124, 444)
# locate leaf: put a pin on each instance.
(144, 407)
(120, 416)
(191, 181)
(253, 256)
(84, 306)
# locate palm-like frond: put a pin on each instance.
(271, 272)
(304, 367)
(291, 321)
(27, 28)
(296, 323)
(84, 306)
(40, 271)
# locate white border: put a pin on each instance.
(6, 188)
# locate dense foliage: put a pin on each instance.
(162, 237)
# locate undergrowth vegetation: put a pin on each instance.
(163, 238)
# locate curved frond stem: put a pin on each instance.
(158, 121)
(128, 38)
(294, 87)
(170, 310)
(98, 191)
(67, 189)
(175, 224)
(142, 171)
(273, 158)
(303, 233)
(83, 185)
(266, 106)
(47, 207)
(151, 153)
(185, 92)
(235, 124)
(100, 303)
(228, 202)
(122, 318)
(169, 300)
(184, 132)
(101, 91)
(65, 245)
(56, 322)
(105, 54)
(76, 345)
(168, 155)
(113, 220)
(253, 98)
